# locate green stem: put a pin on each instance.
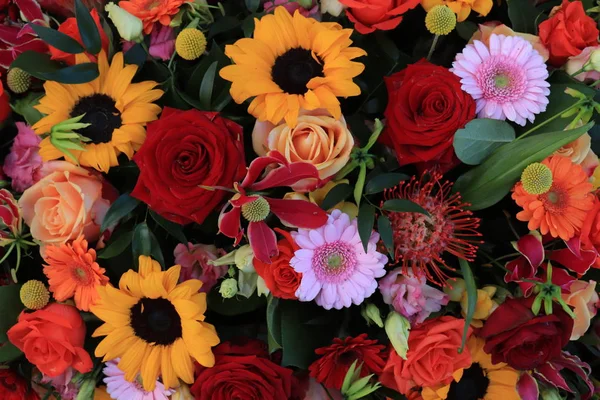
(573, 75)
(594, 84)
(7, 252)
(432, 48)
(535, 128)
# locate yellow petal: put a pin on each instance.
(169, 378)
(131, 361)
(170, 277)
(182, 363)
(150, 368)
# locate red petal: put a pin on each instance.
(229, 223)
(259, 164)
(574, 258)
(299, 213)
(263, 241)
(531, 247)
(30, 9)
(551, 376)
(510, 314)
(527, 387)
(286, 176)
(582, 369)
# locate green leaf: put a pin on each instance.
(90, 36)
(336, 195)
(366, 219)
(120, 208)
(466, 29)
(24, 106)
(523, 15)
(74, 74)
(360, 183)
(235, 306)
(172, 228)
(9, 352)
(144, 243)
(248, 25)
(471, 298)
(403, 205)
(206, 87)
(486, 184)
(117, 245)
(223, 25)
(57, 39)
(384, 227)
(480, 137)
(252, 5)
(384, 181)
(273, 323)
(136, 55)
(10, 307)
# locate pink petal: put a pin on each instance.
(527, 387)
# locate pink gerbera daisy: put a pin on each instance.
(120, 389)
(336, 271)
(506, 79)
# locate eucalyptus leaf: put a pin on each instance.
(486, 184)
(384, 181)
(74, 74)
(480, 137)
(366, 219)
(337, 194)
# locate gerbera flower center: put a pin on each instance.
(554, 200)
(500, 80)
(81, 275)
(156, 321)
(472, 386)
(295, 68)
(101, 113)
(334, 261)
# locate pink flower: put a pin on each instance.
(120, 389)
(292, 6)
(576, 63)
(411, 296)
(583, 298)
(194, 259)
(24, 160)
(507, 78)
(336, 270)
(62, 384)
(162, 42)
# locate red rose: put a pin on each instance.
(13, 387)
(69, 27)
(279, 276)
(517, 337)
(185, 149)
(337, 359)
(426, 107)
(369, 15)
(243, 371)
(52, 339)
(568, 32)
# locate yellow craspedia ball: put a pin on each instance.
(440, 20)
(18, 81)
(34, 295)
(190, 43)
(536, 178)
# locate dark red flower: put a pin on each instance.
(337, 358)
(256, 208)
(514, 335)
(14, 387)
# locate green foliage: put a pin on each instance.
(524, 16)
(10, 307)
(486, 184)
(336, 195)
(144, 243)
(480, 137)
(403, 205)
(24, 107)
(366, 219)
(90, 36)
(42, 67)
(118, 210)
(384, 227)
(252, 5)
(234, 306)
(384, 181)
(116, 245)
(471, 287)
(172, 228)
(58, 39)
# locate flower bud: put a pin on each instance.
(229, 288)
(244, 259)
(595, 60)
(129, 26)
(182, 393)
(397, 329)
(333, 7)
(372, 315)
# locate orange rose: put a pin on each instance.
(69, 27)
(489, 28)
(432, 356)
(67, 202)
(317, 139)
(280, 278)
(580, 152)
(52, 339)
(583, 298)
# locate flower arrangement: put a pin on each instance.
(299, 199)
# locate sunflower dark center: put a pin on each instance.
(294, 69)
(156, 321)
(101, 113)
(472, 386)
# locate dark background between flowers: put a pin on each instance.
(300, 327)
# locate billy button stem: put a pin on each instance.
(440, 21)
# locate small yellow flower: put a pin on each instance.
(536, 178)
(484, 307)
(34, 295)
(18, 81)
(190, 43)
(440, 20)
(462, 8)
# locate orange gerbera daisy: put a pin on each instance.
(72, 271)
(561, 210)
(151, 11)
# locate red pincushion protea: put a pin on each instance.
(421, 240)
(337, 358)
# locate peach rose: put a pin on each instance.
(68, 201)
(486, 30)
(583, 299)
(317, 139)
(432, 356)
(576, 63)
(580, 152)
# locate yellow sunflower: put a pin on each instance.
(155, 325)
(481, 381)
(293, 63)
(116, 109)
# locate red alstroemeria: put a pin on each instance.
(18, 37)
(550, 373)
(526, 268)
(255, 207)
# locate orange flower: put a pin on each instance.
(562, 209)
(151, 11)
(72, 271)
